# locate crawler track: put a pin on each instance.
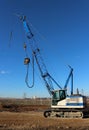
(66, 113)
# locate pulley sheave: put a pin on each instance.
(26, 61)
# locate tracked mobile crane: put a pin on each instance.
(62, 105)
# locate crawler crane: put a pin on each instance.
(62, 104)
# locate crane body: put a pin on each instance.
(62, 104)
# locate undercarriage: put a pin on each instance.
(66, 113)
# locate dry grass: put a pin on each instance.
(36, 121)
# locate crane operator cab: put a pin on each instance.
(60, 99)
(58, 95)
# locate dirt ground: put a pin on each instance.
(36, 121)
(28, 115)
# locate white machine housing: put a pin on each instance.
(60, 100)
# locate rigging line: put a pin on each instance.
(25, 48)
(11, 35)
(13, 26)
(38, 32)
(27, 76)
(46, 68)
(40, 54)
(36, 42)
(35, 32)
(34, 69)
(32, 46)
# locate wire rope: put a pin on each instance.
(27, 74)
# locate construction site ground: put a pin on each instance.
(30, 117)
(35, 121)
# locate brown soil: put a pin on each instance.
(35, 121)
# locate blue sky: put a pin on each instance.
(64, 40)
